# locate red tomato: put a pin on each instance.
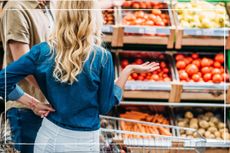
(166, 70)
(219, 58)
(136, 5)
(130, 17)
(165, 75)
(191, 69)
(196, 77)
(195, 56)
(205, 62)
(216, 71)
(217, 64)
(183, 75)
(143, 5)
(211, 61)
(167, 79)
(130, 78)
(127, 4)
(143, 74)
(124, 63)
(134, 76)
(139, 61)
(189, 59)
(216, 78)
(156, 11)
(180, 64)
(200, 74)
(222, 69)
(205, 70)
(160, 23)
(163, 65)
(141, 78)
(225, 77)
(196, 62)
(155, 77)
(149, 23)
(179, 57)
(207, 77)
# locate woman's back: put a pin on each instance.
(77, 105)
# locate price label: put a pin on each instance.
(106, 28)
(150, 30)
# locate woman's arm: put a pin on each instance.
(144, 68)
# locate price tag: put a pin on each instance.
(198, 32)
(150, 30)
(208, 32)
(106, 28)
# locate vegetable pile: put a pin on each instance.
(193, 68)
(108, 16)
(163, 74)
(143, 128)
(208, 125)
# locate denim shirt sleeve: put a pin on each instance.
(16, 71)
(109, 93)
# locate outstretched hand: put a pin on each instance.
(146, 67)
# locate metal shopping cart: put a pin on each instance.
(115, 139)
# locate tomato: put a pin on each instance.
(205, 70)
(179, 57)
(211, 62)
(134, 76)
(225, 77)
(183, 75)
(195, 56)
(189, 59)
(124, 63)
(126, 4)
(205, 62)
(180, 64)
(219, 58)
(143, 5)
(136, 5)
(217, 64)
(221, 69)
(167, 79)
(165, 75)
(165, 70)
(191, 69)
(163, 65)
(139, 14)
(200, 74)
(141, 78)
(196, 77)
(207, 77)
(216, 78)
(155, 77)
(130, 78)
(216, 71)
(148, 5)
(143, 74)
(139, 61)
(156, 11)
(196, 62)
(160, 23)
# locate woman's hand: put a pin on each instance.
(144, 68)
(41, 109)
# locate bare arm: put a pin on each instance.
(18, 49)
(146, 67)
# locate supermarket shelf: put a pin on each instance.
(142, 103)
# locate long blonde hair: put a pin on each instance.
(77, 29)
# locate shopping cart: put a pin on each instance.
(116, 140)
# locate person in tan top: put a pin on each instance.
(24, 24)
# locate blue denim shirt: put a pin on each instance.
(78, 105)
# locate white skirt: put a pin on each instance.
(54, 139)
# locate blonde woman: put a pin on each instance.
(75, 74)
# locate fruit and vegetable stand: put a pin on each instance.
(191, 89)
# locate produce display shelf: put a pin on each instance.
(200, 36)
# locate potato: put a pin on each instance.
(201, 131)
(214, 120)
(207, 134)
(193, 123)
(182, 131)
(222, 130)
(188, 115)
(221, 125)
(204, 124)
(211, 136)
(225, 136)
(212, 129)
(211, 124)
(217, 134)
(206, 118)
(183, 135)
(195, 135)
(209, 114)
(189, 132)
(182, 124)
